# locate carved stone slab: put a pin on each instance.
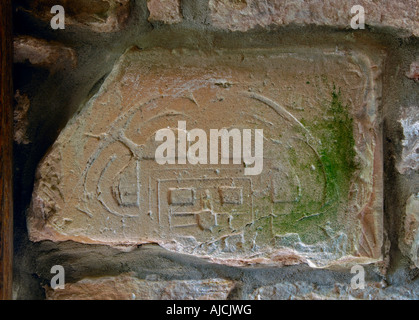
(317, 200)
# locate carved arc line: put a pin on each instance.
(278, 108)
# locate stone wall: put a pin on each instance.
(339, 186)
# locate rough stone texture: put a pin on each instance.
(55, 97)
(126, 287)
(41, 53)
(339, 291)
(166, 11)
(96, 15)
(100, 182)
(20, 118)
(410, 154)
(410, 239)
(243, 15)
(413, 72)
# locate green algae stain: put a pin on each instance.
(337, 148)
(336, 164)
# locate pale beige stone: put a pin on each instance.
(166, 11)
(413, 72)
(126, 287)
(411, 229)
(300, 290)
(409, 121)
(243, 15)
(96, 15)
(100, 182)
(41, 53)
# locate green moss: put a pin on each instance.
(337, 150)
(336, 164)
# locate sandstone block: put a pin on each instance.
(126, 287)
(166, 11)
(339, 291)
(96, 15)
(318, 199)
(410, 153)
(410, 238)
(413, 72)
(41, 53)
(243, 15)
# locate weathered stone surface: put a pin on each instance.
(307, 291)
(413, 72)
(318, 199)
(126, 287)
(410, 236)
(243, 15)
(20, 118)
(42, 53)
(97, 15)
(167, 11)
(410, 154)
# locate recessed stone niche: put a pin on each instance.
(318, 199)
